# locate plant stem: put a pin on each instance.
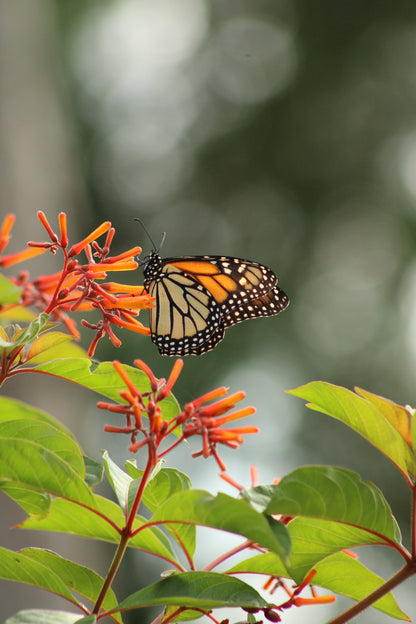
(115, 564)
(395, 580)
(125, 537)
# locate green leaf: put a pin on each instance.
(49, 571)
(104, 380)
(53, 345)
(42, 457)
(338, 573)
(100, 522)
(202, 590)
(17, 566)
(9, 292)
(118, 479)
(396, 414)
(166, 483)
(93, 471)
(259, 497)
(76, 577)
(314, 539)
(344, 575)
(225, 513)
(268, 564)
(362, 416)
(34, 503)
(43, 616)
(12, 409)
(333, 493)
(34, 328)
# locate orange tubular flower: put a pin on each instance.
(5, 231)
(64, 231)
(298, 601)
(21, 256)
(194, 416)
(201, 420)
(76, 287)
(102, 229)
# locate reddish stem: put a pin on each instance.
(407, 571)
(53, 301)
(227, 555)
(126, 535)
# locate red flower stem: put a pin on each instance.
(227, 555)
(151, 461)
(126, 535)
(408, 570)
(53, 302)
(168, 450)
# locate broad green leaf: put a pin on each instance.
(9, 292)
(338, 573)
(47, 341)
(268, 564)
(100, 523)
(44, 616)
(165, 483)
(344, 575)
(53, 345)
(17, 566)
(76, 577)
(362, 416)
(34, 503)
(314, 539)
(259, 497)
(202, 590)
(396, 414)
(333, 493)
(104, 380)
(43, 458)
(225, 513)
(12, 409)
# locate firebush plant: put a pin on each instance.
(297, 533)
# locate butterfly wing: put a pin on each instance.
(186, 318)
(268, 305)
(198, 297)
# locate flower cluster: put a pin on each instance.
(197, 417)
(76, 287)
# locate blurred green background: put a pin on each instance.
(275, 130)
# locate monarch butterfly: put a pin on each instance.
(198, 297)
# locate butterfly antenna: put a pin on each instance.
(146, 232)
(162, 241)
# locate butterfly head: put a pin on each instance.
(152, 266)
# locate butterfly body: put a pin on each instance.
(198, 297)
